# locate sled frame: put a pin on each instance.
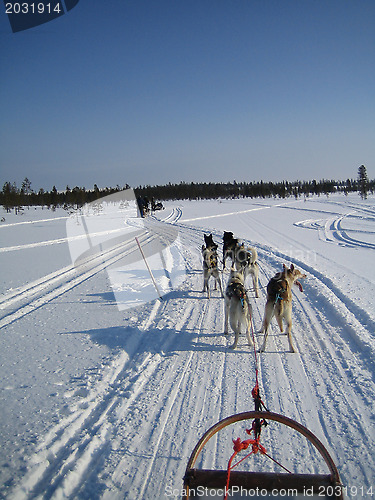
(216, 479)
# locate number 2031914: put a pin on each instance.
(33, 8)
(357, 491)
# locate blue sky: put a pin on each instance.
(151, 92)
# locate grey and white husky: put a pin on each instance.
(246, 261)
(237, 307)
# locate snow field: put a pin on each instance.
(102, 403)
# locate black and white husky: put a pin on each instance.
(229, 247)
(210, 265)
(243, 258)
(237, 307)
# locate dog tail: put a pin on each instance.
(254, 254)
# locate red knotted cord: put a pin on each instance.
(239, 446)
(256, 425)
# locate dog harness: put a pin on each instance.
(212, 261)
(237, 290)
(282, 288)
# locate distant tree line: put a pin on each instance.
(12, 197)
(283, 189)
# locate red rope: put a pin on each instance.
(256, 425)
(239, 446)
(256, 388)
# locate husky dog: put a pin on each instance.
(237, 307)
(229, 247)
(279, 302)
(210, 268)
(246, 261)
(210, 244)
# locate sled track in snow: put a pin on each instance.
(28, 298)
(17, 303)
(332, 230)
(74, 445)
(70, 452)
(176, 377)
(333, 336)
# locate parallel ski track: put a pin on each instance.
(17, 303)
(349, 385)
(72, 448)
(347, 388)
(132, 435)
(341, 234)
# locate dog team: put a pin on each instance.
(238, 311)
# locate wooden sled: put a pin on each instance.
(204, 484)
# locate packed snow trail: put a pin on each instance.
(130, 428)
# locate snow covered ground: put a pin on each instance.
(102, 402)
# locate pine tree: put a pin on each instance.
(363, 182)
(26, 191)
